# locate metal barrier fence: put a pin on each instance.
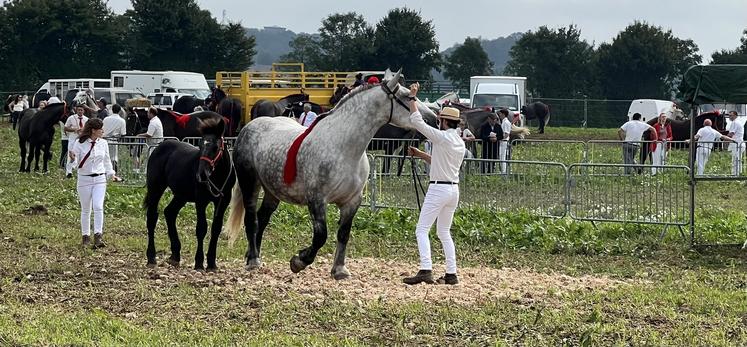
(604, 192)
(132, 163)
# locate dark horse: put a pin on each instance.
(186, 104)
(681, 130)
(229, 108)
(202, 176)
(539, 111)
(37, 129)
(278, 108)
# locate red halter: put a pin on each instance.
(217, 156)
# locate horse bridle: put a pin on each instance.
(392, 94)
(214, 190)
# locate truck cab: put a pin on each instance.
(499, 92)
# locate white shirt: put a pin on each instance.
(634, 130)
(54, 100)
(506, 128)
(63, 133)
(307, 118)
(74, 122)
(98, 161)
(114, 126)
(447, 153)
(706, 136)
(738, 130)
(19, 106)
(155, 130)
(465, 133)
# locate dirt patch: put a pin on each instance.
(374, 279)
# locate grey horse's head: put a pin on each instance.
(401, 115)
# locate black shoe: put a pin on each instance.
(69, 175)
(86, 240)
(98, 242)
(448, 279)
(421, 277)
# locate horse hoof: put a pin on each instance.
(340, 273)
(199, 267)
(297, 264)
(172, 262)
(151, 264)
(253, 264)
(213, 268)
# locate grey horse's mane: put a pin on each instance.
(355, 91)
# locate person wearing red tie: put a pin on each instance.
(307, 117)
(90, 154)
(73, 127)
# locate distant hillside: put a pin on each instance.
(272, 42)
(497, 50)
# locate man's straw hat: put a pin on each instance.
(449, 113)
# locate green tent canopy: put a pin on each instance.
(709, 84)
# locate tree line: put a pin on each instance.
(44, 39)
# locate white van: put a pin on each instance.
(59, 87)
(147, 82)
(164, 100)
(651, 108)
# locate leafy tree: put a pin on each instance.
(404, 40)
(736, 56)
(345, 42)
(305, 49)
(57, 39)
(644, 61)
(556, 62)
(178, 35)
(468, 59)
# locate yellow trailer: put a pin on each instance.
(282, 80)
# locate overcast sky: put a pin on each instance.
(712, 24)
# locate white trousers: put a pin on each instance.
(69, 163)
(737, 152)
(91, 192)
(439, 205)
(659, 156)
(502, 152)
(701, 157)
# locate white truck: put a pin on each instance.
(499, 92)
(148, 82)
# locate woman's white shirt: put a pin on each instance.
(98, 161)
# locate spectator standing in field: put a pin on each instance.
(16, 108)
(468, 138)
(705, 138)
(660, 148)
(358, 80)
(736, 132)
(103, 112)
(114, 128)
(631, 133)
(489, 136)
(307, 117)
(73, 127)
(505, 137)
(154, 134)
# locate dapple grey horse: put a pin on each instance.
(331, 167)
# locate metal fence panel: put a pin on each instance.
(536, 187)
(563, 151)
(398, 191)
(133, 160)
(603, 192)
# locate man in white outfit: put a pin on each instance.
(505, 137)
(705, 137)
(307, 117)
(442, 197)
(736, 132)
(154, 135)
(73, 127)
(631, 132)
(114, 128)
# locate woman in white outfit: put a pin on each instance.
(90, 154)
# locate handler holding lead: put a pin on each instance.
(443, 192)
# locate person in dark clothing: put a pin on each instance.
(358, 80)
(103, 112)
(489, 136)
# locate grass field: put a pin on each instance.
(525, 280)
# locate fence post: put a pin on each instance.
(586, 110)
(372, 182)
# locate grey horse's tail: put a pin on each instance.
(236, 217)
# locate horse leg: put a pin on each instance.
(347, 212)
(269, 205)
(215, 229)
(47, 157)
(200, 231)
(250, 192)
(170, 213)
(318, 212)
(37, 152)
(22, 147)
(541, 120)
(153, 196)
(30, 157)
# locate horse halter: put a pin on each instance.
(217, 157)
(392, 94)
